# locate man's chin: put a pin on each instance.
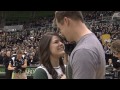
(70, 41)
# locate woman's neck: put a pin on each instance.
(54, 61)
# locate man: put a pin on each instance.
(1, 59)
(6, 63)
(115, 47)
(87, 60)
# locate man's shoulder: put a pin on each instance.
(81, 50)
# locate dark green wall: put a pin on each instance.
(27, 14)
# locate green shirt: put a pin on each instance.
(40, 74)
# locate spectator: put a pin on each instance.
(7, 58)
(115, 47)
(18, 65)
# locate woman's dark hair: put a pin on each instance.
(44, 56)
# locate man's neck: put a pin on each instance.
(83, 30)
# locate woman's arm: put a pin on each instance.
(10, 67)
(25, 64)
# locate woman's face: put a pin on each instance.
(19, 56)
(56, 47)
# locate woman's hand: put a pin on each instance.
(63, 76)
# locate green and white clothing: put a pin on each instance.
(42, 73)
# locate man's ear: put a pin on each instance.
(66, 20)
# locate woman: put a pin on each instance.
(52, 52)
(18, 65)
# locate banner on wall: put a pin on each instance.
(29, 70)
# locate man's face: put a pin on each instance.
(65, 29)
(116, 54)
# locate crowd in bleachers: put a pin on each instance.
(96, 15)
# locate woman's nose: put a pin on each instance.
(60, 43)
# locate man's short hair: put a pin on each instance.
(115, 46)
(75, 15)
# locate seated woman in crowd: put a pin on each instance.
(51, 54)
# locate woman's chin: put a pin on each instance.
(61, 54)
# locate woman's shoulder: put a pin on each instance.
(40, 73)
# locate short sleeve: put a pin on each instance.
(84, 64)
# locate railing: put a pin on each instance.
(29, 70)
(112, 73)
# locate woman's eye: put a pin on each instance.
(56, 42)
